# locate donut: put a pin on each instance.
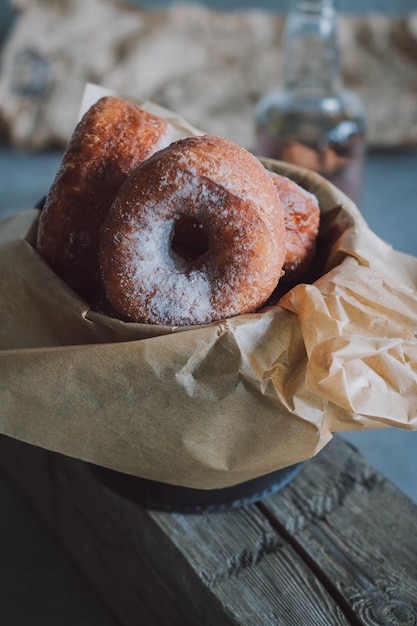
(190, 238)
(302, 219)
(109, 142)
(211, 186)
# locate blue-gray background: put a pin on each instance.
(349, 6)
(37, 583)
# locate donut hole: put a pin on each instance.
(190, 239)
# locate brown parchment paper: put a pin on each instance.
(212, 406)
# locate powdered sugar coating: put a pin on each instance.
(302, 219)
(112, 139)
(229, 194)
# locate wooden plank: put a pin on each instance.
(250, 569)
(163, 568)
(359, 533)
(337, 546)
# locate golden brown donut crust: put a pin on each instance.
(302, 219)
(229, 193)
(112, 139)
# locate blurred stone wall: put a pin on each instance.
(209, 66)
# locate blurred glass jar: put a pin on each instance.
(312, 120)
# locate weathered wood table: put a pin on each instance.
(337, 546)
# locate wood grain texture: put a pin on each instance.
(358, 532)
(337, 546)
(223, 568)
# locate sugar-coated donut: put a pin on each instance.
(221, 191)
(302, 219)
(112, 139)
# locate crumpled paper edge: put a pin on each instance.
(213, 406)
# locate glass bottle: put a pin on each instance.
(312, 120)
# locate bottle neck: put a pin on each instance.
(311, 50)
